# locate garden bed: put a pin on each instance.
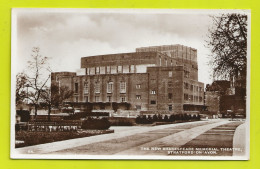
(29, 138)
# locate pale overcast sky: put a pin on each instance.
(65, 37)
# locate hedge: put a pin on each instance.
(99, 124)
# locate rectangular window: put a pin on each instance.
(138, 107)
(96, 98)
(119, 69)
(76, 89)
(169, 95)
(170, 73)
(86, 98)
(108, 69)
(123, 99)
(97, 87)
(125, 68)
(109, 98)
(132, 68)
(87, 71)
(97, 70)
(138, 86)
(200, 99)
(153, 91)
(186, 97)
(113, 69)
(186, 85)
(92, 71)
(76, 98)
(138, 96)
(103, 70)
(109, 87)
(85, 88)
(170, 107)
(191, 87)
(153, 102)
(122, 87)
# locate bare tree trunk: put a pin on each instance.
(35, 112)
(49, 113)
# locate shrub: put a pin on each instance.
(24, 114)
(121, 121)
(144, 120)
(98, 124)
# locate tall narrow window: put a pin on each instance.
(85, 88)
(96, 98)
(86, 98)
(97, 87)
(191, 87)
(119, 69)
(109, 98)
(169, 95)
(108, 69)
(97, 70)
(122, 87)
(170, 107)
(102, 70)
(132, 68)
(109, 87)
(170, 73)
(76, 89)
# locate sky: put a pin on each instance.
(66, 36)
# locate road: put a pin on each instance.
(203, 138)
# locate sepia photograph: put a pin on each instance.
(144, 84)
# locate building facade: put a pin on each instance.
(159, 78)
(222, 97)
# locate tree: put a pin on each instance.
(47, 99)
(37, 77)
(228, 44)
(54, 96)
(59, 94)
(20, 92)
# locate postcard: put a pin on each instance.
(154, 84)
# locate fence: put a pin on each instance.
(54, 126)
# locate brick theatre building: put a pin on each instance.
(152, 79)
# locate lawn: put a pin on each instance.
(30, 138)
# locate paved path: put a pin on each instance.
(136, 140)
(239, 140)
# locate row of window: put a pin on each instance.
(97, 87)
(192, 98)
(97, 98)
(110, 69)
(192, 87)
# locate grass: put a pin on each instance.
(38, 137)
